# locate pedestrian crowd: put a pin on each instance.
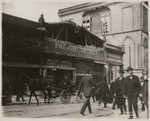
(129, 88)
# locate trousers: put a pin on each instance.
(114, 103)
(104, 99)
(121, 101)
(132, 101)
(86, 104)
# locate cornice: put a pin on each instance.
(83, 7)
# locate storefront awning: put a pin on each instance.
(59, 67)
(100, 62)
(8, 64)
(23, 65)
(115, 63)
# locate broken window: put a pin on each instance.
(86, 22)
(105, 22)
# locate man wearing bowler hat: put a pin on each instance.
(132, 91)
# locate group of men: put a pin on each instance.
(125, 88)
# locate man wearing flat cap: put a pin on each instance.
(132, 91)
(119, 92)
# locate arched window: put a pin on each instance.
(129, 56)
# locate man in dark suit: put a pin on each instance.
(86, 85)
(120, 88)
(132, 91)
(142, 98)
(112, 92)
(103, 91)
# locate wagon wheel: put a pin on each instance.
(65, 97)
(80, 98)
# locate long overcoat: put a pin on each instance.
(102, 88)
(86, 85)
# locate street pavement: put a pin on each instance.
(59, 110)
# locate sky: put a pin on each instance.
(33, 10)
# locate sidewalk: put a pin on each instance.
(33, 100)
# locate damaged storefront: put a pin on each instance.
(54, 50)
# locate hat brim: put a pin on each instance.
(130, 70)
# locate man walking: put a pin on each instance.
(112, 92)
(86, 85)
(142, 98)
(103, 91)
(132, 90)
(145, 92)
(120, 88)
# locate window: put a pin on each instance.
(86, 22)
(145, 19)
(105, 22)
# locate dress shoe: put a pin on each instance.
(82, 114)
(142, 109)
(99, 104)
(17, 100)
(130, 117)
(121, 113)
(137, 115)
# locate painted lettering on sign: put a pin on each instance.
(66, 46)
(70, 49)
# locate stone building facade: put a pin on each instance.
(124, 24)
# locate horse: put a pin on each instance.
(21, 85)
(36, 85)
